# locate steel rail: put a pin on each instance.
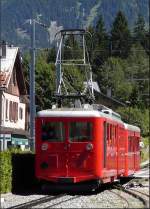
(140, 192)
(37, 202)
(120, 187)
(120, 197)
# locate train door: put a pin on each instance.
(121, 151)
(111, 146)
(131, 152)
(80, 147)
(51, 147)
(136, 152)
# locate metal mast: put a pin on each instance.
(82, 62)
(32, 87)
(33, 21)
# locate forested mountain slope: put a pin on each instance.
(67, 13)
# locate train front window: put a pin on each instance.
(53, 132)
(80, 131)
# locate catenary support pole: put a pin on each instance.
(32, 89)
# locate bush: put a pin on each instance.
(145, 149)
(5, 172)
(16, 171)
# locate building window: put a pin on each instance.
(15, 107)
(6, 110)
(13, 111)
(10, 111)
(20, 113)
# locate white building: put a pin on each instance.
(14, 114)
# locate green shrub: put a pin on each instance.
(145, 149)
(5, 172)
(16, 171)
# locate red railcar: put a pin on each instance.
(84, 144)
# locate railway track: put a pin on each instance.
(123, 198)
(135, 193)
(37, 202)
(141, 193)
(106, 196)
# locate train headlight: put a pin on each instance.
(44, 146)
(89, 147)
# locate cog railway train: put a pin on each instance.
(90, 145)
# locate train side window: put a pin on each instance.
(80, 131)
(53, 131)
(138, 144)
(130, 143)
(111, 134)
(108, 133)
(115, 134)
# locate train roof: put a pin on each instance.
(131, 127)
(86, 111)
(81, 112)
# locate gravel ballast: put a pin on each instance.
(101, 199)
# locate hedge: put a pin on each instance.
(17, 171)
(5, 172)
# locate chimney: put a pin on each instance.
(3, 49)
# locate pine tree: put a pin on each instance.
(139, 29)
(140, 34)
(120, 36)
(100, 31)
(101, 43)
